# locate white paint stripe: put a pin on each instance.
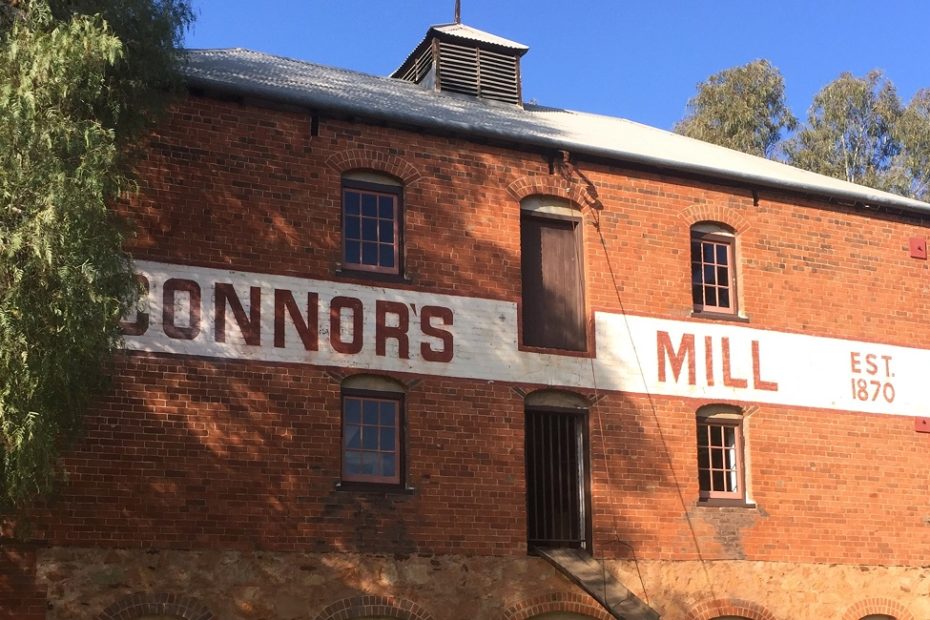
(809, 371)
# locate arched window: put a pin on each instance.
(552, 265)
(721, 459)
(372, 222)
(713, 268)
(372, 430)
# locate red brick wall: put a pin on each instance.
(192, 453)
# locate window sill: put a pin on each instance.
(374, 487)
(372, 276)
(554, 351)
(718, 502)
(719, 316)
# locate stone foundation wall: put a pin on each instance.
(99, 583)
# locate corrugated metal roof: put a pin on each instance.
(473, 34)
(327, 88)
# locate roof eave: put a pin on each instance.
(401, 116)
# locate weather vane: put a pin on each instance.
(458, 11)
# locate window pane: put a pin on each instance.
(352, 463)
(370, 254)
(369, 205)
(695, 251)
(729, 436)
(724, 298)
(723, 276)
(718, 480)
(352, 201)
(353, 410)
(353, 227)
(369, 463)
(388, 413)
(716, 457)
(386, 257)
(704, 480)
(702, 435)
(696, 273)
(370, 413)
(703, 459)
(710, 296)
(708, 252)
(387, 439)
(386, 207)
(709, 276)
(732, 485)
(388, 465)
(697, 294)
(353, 251)
(386, 231)
(722, 254)
(352, 436)
(370, 438)
(369, 229)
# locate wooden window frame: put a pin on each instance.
(397, 480)
(379, 190)
(718, 239)
(708, 492)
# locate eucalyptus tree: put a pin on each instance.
(850, 131)
(742, 108)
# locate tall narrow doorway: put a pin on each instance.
(557, 498)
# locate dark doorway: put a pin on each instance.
(557, 499)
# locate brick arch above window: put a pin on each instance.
(715, 213)
(877, 607)
(159, 604)
(729, 607)
(562, 399)
(556, 602)
(370, 159)
(553, 185)
(373, 606)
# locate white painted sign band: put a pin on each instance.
(239, 315)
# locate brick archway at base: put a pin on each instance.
(556, 601)
(877, 606)
(156, 604)
(374, 605)
(708, 610)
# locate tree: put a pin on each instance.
(850, 131)
(742, 108)
(80, 81)
(911, 167)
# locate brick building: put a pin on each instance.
(414, 349)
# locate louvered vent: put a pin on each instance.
(419, 68)
(478, 72)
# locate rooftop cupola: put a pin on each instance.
(461, 59)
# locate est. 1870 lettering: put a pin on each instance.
(871, 377)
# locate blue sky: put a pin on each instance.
(640, 60)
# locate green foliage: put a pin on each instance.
(911, 168)
(850, 131)
(72, 98)
(742, 108)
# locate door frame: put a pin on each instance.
(581, 419)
